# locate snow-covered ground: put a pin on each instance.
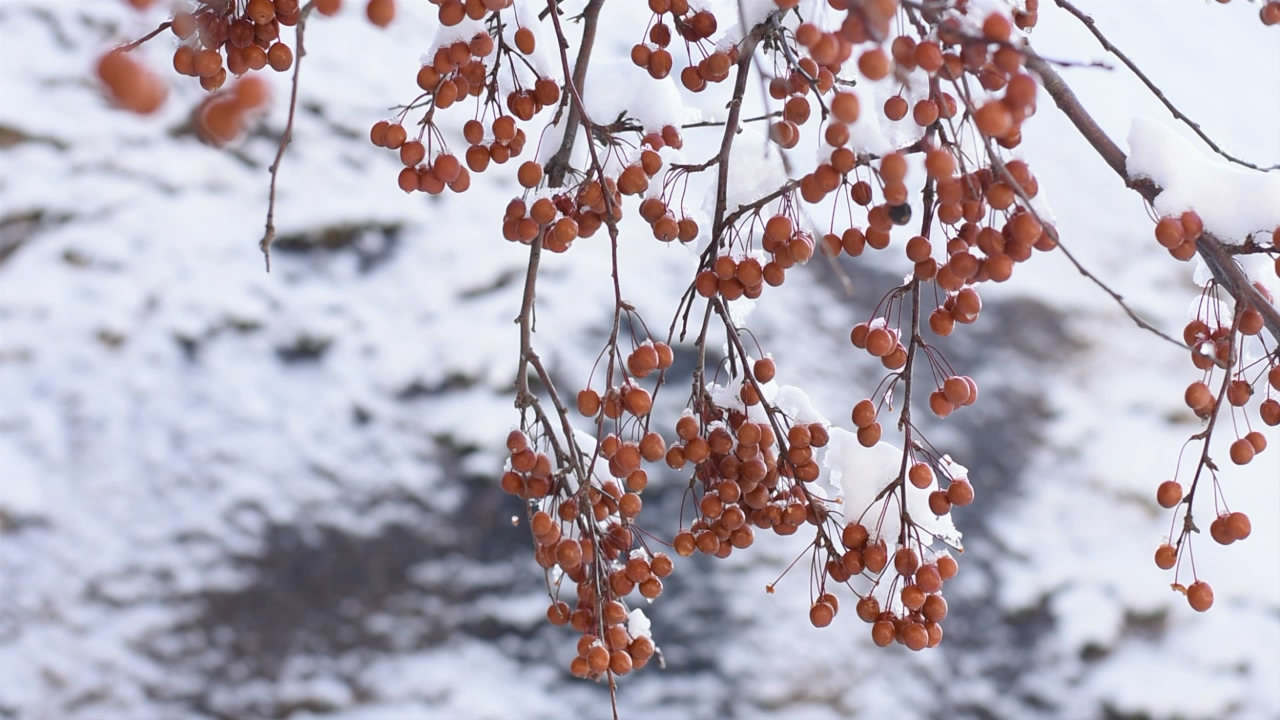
(231, 494)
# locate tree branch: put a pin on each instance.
(1155, 90)
(1209, 246)
(558, 164)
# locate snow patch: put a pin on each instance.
(1232, 201)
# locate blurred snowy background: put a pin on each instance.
(226, 494)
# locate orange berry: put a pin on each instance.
(183, 25)
(997, 27)
(864, 413)
(925, 113)
(853, 536)
(525, 40)
(395, 136)
(1269, 411)
(914, 636)
(381, 12)
(920, 475)
(895, 108)
(1242, 452)
(883, 633)
(279, 57)
(684, 543)
(620, 662)
(1270, 13)
(880, 342)
(869, 435)
(905, 561)
(251, 92)
(130, 84)
(207, 62)
(1219, 531)
(821, 614)
(875, 556)
(1169, 494)
(1198, 396)
(940, 405)
(941, 322)
(1170, 232)
(874, 64)
(1200, 596)
(845, 107)
(529, 174)
(1238, 525)
(893, 167)
(764, 369)
(956, 390)
(939, 502)
(412, 153)
(1257, 440)
(558, 613)
(1239, 392)
(928, 578)
(569, 553)
(960, 492)
(588, 402)
(994, 119)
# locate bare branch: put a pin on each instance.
(558, 164)
(1155, 90)
(1209, 246)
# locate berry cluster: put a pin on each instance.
(221, 37)
(917, 623)
(586, 555)
(559, 220)
(587, 532)
(960, 84)
(1217, 339)
(742, 484)
(694, 27)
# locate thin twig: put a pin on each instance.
(558, 164)
(721, 123)
(1155, 90)
(1209, 246)
(998, 165)
(746, 52)
(127, 47)
(269, 233)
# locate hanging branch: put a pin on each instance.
(1211, 248)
